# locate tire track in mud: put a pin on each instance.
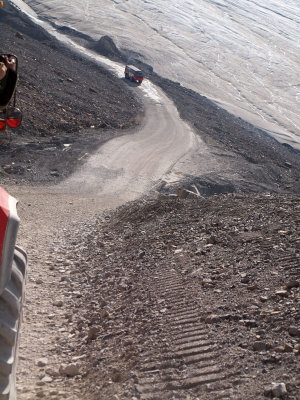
(184, 360)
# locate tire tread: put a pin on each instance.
(11, 300)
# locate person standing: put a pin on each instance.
(8, 79)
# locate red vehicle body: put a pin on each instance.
(133, 73)
(13, 261)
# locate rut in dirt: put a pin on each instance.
(185, 357)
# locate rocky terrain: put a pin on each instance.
(175, 296)
(175, 299)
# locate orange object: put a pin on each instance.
(1, 3)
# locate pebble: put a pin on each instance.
(116, 376)
(207, 282)
(19, 35)
(245, 278)
(259, 346)
(275, 390)
(211, 240)
(104, 314)
(263, 299)
(51, 372)
(58, 303)
(47, 379)
(288, 348)
(69, 370)
(294, 331)
(212, 318)
(92, 333)
(292, 284)
(282, 293)
(42, 362)
(250, 322)
(279, 349)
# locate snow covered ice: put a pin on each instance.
(244, 55)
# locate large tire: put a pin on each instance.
(11, 302)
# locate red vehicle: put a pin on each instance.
(13, 259)
(133, 73)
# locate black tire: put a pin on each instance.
(11, 302)
(126, 76)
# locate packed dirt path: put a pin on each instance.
(123, 169)
(129, 166)
(45, 217)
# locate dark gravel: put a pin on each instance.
(64, 98)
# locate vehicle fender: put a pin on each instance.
(9, 224)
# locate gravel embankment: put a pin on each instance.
(236, 262)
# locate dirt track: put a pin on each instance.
(128, 167)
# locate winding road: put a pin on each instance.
(129, 166)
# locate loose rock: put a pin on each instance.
(69, 370)
(275, 390)
(42, 362)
